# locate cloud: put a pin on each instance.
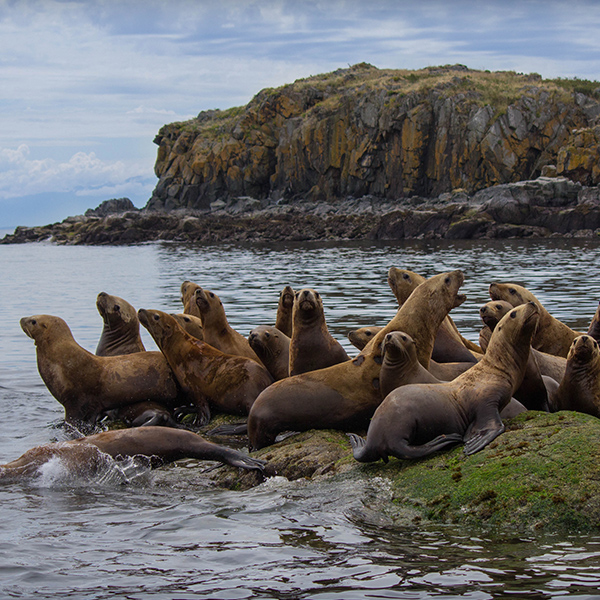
(84, 174)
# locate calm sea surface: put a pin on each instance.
(165, 534)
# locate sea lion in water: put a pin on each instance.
(121, 331)
(579, 389)
(360, 337)
(553, 336)
(216, 329)
(415, 420)
(86, 455)
(208, 376)
(191, 324)
(272, 346)
(312, 347)
(188, 289)
(285, 306)
(87, 385)
(345, 395)
(450, 345)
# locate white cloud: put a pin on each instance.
(84, 174)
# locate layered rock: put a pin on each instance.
(385, 133)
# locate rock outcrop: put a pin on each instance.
(389, 134)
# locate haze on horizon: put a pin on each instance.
(86, 85)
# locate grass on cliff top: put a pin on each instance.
(498, 89)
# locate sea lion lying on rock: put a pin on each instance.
(86, 455)
(87, 385)
(415, 420)
(346, 395)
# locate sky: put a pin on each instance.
(86, 85)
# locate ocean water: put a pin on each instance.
(166, 534)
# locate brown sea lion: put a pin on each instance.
(188, 290)
(141, 414)
(594, 328)
(360, 337)
(415, 420)
(87, 385)
(121, 331)
(283, 321)
(345, 395)
(535, 389)
(579, 389)
(450, 345)
(273, 348)
(550, 366)
(209, 377)
(216, 329)
(312, 347)
(191, 324)
(87, 455)
(553, 336)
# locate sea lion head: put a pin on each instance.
(160, 325)
(402, 282)
(583, 350)
(451, 283)
(187, 292)
(190, 323)
(114, 310)
(307, 301)
(362, 336)
(264, 340)
(41, 328)
(493, 311)
(286, 297)
(512, 293)
(398, 346)
(206, 301)
(518, 325)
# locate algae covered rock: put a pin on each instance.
(543, 474)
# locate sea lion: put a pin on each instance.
(272, 346)
(550, 366)
(141, 414)
(121, 331)
(450, 345)
(312, 347)
(553, 336)
(285, 306)
(360, 337)
(86, 455)
(87, 385)
(209, 377)
(188, 289)
(191, 324)
(216, 329)
(535, 389)
(594, 328)
(415, 420)
(345, 395)
(579, 389)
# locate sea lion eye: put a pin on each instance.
(513, 314)
(595, 344)
(498, 307)
(155, 317)
(368, 333)
(512, 291)
(211, 295)
(405, 276)
(117, 307)
(33, 322)
(403, 338)
(447, 280)
(317, 295)
(186, 319)
(267, 334)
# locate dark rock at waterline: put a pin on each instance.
(542, 474)
(543, 207)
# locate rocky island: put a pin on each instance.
(367, 153)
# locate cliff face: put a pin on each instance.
(385, 133)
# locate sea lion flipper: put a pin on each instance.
(229, 429)
(477, 439)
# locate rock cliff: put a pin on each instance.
(388, 134)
